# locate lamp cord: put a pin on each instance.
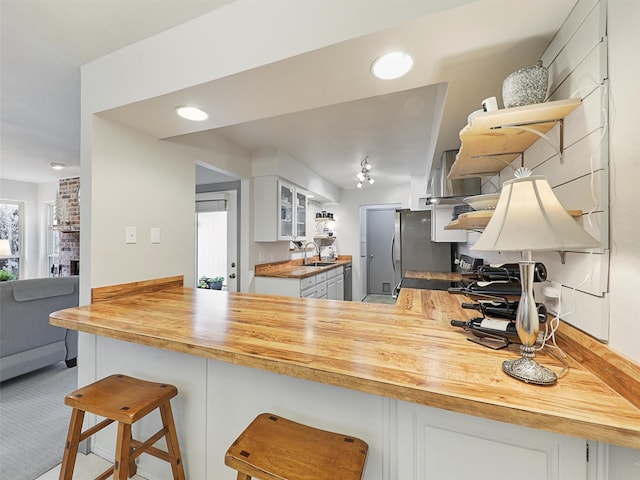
(552, 326)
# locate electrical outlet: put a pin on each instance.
(552, 297)
(130, 235)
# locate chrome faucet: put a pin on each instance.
(304, 251)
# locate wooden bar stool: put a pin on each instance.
(274, 448)
(125, 400)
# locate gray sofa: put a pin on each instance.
(27, 340)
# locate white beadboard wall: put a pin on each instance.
(577, 64)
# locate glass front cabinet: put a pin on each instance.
(285, 220)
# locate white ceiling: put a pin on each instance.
(326, 121)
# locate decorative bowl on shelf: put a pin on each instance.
(483, 202)
(525, 86)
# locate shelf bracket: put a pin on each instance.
(558, 149)
(492, 155)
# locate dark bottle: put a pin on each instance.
(483, 327)
(509, 272)
(504, 310)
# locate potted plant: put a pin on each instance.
(212, 283)
(215, 283)
(6, 276)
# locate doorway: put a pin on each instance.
(216, 237)
(378, 226)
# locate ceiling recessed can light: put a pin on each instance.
(192, 113)
(392, 65)
(57, 165)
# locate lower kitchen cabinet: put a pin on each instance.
(328, 285)
(437, 444)
(406, 441)
(335, 284)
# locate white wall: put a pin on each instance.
(624, 155)
(139, 181)
(624, 152)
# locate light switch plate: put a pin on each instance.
(130, 235)
(155, 235)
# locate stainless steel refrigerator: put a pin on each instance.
(412, 247)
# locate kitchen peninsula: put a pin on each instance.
(395, 375)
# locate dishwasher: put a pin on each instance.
(347, 282)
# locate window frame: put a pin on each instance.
(53, 240)
(20, 256)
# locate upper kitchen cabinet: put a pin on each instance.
(493, 139)
(280, 210)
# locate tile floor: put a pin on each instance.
(375, 298)
(87, 466)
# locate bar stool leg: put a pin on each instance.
(172, 441)
(71, 445)
(123, 451)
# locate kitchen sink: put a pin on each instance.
(319, 264)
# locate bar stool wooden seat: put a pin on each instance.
(274, 448)
(125, 400)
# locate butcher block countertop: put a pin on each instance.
(406, 351)
(296, 269)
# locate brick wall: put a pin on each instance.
(69, 224)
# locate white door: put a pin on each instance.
(217, 237)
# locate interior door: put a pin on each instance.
(380, 231)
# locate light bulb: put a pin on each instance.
(392, 65)
(359, 185)
(367, 166)
(192, 113)
(360, 176)
(371, 180)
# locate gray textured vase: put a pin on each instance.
(525, 86)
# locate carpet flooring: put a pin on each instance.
(34, 421)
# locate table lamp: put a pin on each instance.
(529, 217)
(5, 248)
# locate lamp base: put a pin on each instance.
(529, 371)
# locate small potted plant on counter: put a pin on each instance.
(212, 283)
(215, 283)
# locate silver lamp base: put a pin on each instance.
(529, 371)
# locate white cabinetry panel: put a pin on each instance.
(439, 445)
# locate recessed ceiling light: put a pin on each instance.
(57, 166)
(392, 65)
(192, 113)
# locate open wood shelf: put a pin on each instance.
(478, 220)
(488, 145)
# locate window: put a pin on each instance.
(53, 242)
(11, 229)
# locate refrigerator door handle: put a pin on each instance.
(393, 253)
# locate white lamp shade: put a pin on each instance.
(5, 248)
(528, 216)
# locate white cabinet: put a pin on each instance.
(280, 210)
(328, 285)
(340, 287)
(335, 284)
(437, 444)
